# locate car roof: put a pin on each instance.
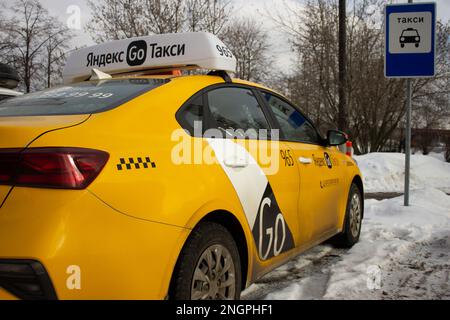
(239, 81)
(208, 79)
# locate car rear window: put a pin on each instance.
(81, 98)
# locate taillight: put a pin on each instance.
(65, 168)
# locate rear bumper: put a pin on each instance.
(118, 257)
(26, 279)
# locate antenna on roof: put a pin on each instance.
(98, 75)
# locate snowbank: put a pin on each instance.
(389, 234)
(384, 172)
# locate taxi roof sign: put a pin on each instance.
(193, 50)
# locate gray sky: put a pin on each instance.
(256, 8)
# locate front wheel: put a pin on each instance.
(209, 266)
(353, 219)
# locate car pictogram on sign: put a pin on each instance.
(410, 35)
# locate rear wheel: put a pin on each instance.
(353, 220)
(209, 266)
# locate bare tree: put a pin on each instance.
(167, 16)
(196, 12)
(54, 53)
(432, 103)
(24, 38)
(110, 20)
(376, 105)
(119, 19)
(216, 16)
(249, 43)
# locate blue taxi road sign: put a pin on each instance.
(410, 37)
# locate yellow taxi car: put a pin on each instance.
(125, 183)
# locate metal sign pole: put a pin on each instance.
(410, 53)
(408, 137)
(407, 140)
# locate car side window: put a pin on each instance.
(293, 124)
(191, 116)
(238, 110)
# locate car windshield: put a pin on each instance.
(409, 33)
(81, 98)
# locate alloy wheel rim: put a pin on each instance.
(214, 275)
(355, 215)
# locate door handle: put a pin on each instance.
(236, 165)
(305, 160)
(236, 162)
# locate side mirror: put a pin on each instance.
(336, 138)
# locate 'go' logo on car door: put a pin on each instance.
(271, 232)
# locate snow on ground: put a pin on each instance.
(385, 172)
(391, 234)
(403, 252)
(437, 155)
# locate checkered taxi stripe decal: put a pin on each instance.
(135, 163)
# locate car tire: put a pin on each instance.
(353, 219)
(402, 45)
(198, 275)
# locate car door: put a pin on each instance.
(267, 185)
(320, 178)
